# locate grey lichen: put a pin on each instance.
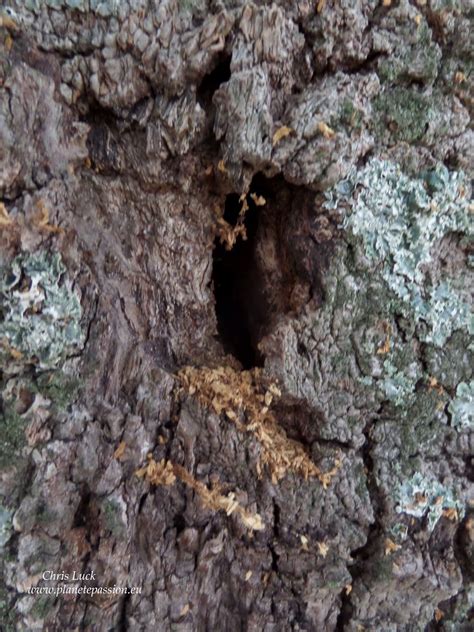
(5, 526)
(420, 497)
(397, 385)
(399, 220)
(40, 313)
(462, 406)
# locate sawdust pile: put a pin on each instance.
(166, 473)
(245, 399)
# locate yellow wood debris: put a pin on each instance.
(118, 454)
(281, 132)
(241, 396)
(391, 546)
(5, 219)
(325, 130)
(165, 473)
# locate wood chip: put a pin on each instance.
(281, 132)
(325, 130)
(221, 167)
(5, 219)
(9, 23)
(118, 454)
(391, 546)
(451, 514)
(323, 548)
(258, 200)
(42, 219)
(385, 348)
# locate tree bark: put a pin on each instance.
(235, 347)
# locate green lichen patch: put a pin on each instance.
(40, 313)
(399, 220)
(42, 606)
(348, 116)
(422, 497)
(462, 406)
(401, 113)
(112, 517)
(418, 59)
(59, 387)
(12, 437)
(7, 618)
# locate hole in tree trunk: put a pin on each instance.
(276, 270)
(236, 288)
(211, 82)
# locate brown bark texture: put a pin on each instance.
(235, 332)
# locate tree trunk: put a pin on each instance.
(235, 355)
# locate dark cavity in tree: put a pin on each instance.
(211, 82)
(238, 296)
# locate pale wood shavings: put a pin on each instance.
(5, 219)
(229, 234)
(280, 133)
(9, 22)
(221, 167)
(119, 452)
(157, 473)
(213, 499)
(258, 200)
(166, 473)
(41, 219)
(385, 348)
(391, 546)
(323, 548)
(325, 130)
(245, 400)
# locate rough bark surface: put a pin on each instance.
(224, 378)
